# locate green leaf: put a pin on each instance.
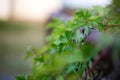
(39, 59)
(20, 77)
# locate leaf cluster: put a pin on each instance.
(62, 58)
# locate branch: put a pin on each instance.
(111, 26)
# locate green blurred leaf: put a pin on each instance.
(20, 77)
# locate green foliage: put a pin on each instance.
(20, 77)
(62, 58)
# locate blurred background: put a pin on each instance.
(22, 24)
